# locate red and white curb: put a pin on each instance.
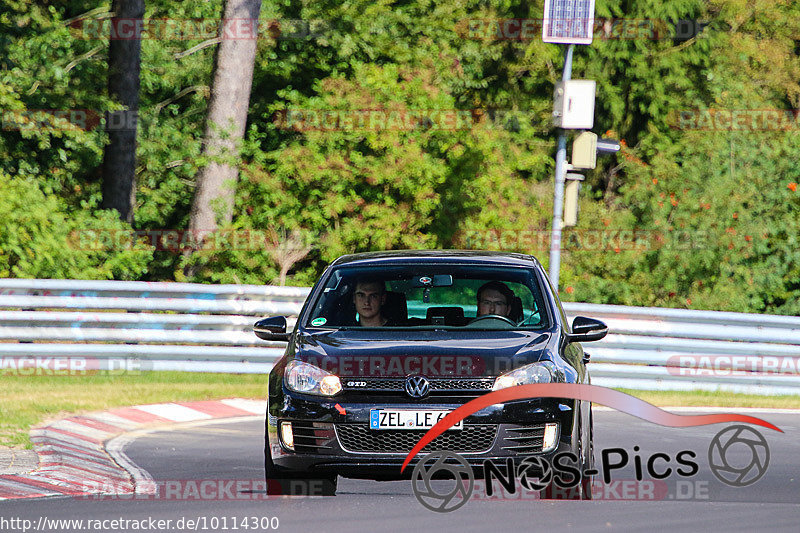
(82, 454)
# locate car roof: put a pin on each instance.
(438, 256)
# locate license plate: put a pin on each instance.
(406, 419)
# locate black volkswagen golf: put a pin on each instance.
(389, 343)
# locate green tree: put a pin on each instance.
(40, 238)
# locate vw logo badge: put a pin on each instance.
(417, 387)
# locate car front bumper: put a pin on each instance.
(332, 436)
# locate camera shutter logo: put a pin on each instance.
(738, 441)
(535, 473)
(417, 387)
(457, 472)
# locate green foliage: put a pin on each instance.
(718, 209)
(680, 218)
(41, 239)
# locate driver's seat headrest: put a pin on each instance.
(515, 312)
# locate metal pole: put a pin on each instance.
(561, 171)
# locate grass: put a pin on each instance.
(715, 399)
(29, 401)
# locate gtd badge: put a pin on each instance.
(356, 384)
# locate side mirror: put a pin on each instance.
(272, 329)
(587, 329)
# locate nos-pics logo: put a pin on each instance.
(444, 481)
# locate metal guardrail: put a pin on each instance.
(679, 349)
(141, 325)
(183, 326)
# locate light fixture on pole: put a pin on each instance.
(567, 22)
(571, 199)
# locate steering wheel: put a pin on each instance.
(493, 317)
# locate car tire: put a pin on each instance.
(587, 482)
(283, 483)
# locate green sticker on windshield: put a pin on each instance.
(319, 321)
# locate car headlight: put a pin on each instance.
(309, 379)
(539, 372)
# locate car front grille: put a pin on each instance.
(462, 384)
(524, 439)
(358, 438)
(436, 384)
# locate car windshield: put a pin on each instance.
(430, 297)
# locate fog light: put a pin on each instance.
(286, 435)
(550, 440)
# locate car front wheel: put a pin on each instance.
(281, 482)
(583, 490)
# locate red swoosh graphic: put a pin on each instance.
(591, 393)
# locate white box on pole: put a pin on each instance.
(573, 104)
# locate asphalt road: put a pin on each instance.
(232, 452)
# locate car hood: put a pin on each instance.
(431, 353)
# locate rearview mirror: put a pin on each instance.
(272, 329)
(437, 280)
(587, 329)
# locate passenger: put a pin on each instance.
(369, 297)
(494, 298)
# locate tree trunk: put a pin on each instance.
(119, 157)
(227, 115)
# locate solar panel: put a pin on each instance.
(568, 21)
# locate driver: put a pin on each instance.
(369, 297)
(494, 298)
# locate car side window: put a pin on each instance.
(560, 308)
